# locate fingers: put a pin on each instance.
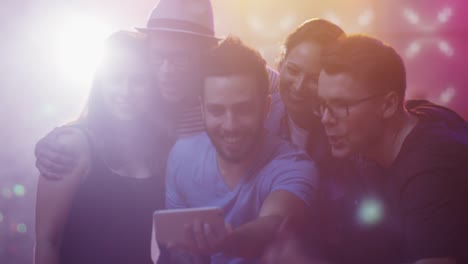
(59, 150)
(46, 173)
(213, 237)
(65, 159)
(52, 167)
(200, 236)
(190, 238)
(50, 143)
(52, 158)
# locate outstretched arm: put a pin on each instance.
(250, 239)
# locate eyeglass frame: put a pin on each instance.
(318, 111)
(186, 59)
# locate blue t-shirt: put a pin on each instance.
(193, 180)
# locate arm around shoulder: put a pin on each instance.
(54, 200)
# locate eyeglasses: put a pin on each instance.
(178, 61)
(341, 109)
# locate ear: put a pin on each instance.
(266, 107)
(391, 104)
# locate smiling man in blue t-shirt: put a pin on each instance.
(257, 178)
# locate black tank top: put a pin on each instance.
(111, 218)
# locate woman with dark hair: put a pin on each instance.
(292, 117)
(292, 107)
(101, 212)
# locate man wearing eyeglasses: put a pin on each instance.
(414, 209)
(408, 202)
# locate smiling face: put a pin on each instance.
(234, 114)
(126, 89)
(299, 73)
(175, 64)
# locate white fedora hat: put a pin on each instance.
(194, 17)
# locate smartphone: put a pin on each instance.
(170, 224)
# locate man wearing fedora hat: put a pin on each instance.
(179, 32)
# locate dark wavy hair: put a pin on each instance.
(96, 118)
(318, 30)
(122, 44)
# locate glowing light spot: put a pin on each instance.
(79, 45)
(19, 190)
(49, 109)
(287, 22)
(256, 24)
(7, 193)
(446, 48)
(366, 18)
(447, 95)
(411, 16)
(444, 15)
(21, 228)
(370, 212)
(332, 17)
(413, 49)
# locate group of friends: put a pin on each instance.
(322, 161)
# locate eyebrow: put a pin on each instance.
(290, 63)
(235, 105)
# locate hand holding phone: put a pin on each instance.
(197, 229)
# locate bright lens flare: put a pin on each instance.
(370, 212)
(79, 47)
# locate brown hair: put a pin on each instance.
(231, 57)
(370, 61)
(319, 30)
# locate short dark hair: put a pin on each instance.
(318, 30)
(369, 60)
(233, 57)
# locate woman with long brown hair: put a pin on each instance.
(101, 212)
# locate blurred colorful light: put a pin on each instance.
(332, 17)
(19, 190)
(447, 95)
(413, 49)
(79, 46)
(446, 48)
(366, 18)
(370, 212)
(411, 16)
(445, 14)
(21, 228)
